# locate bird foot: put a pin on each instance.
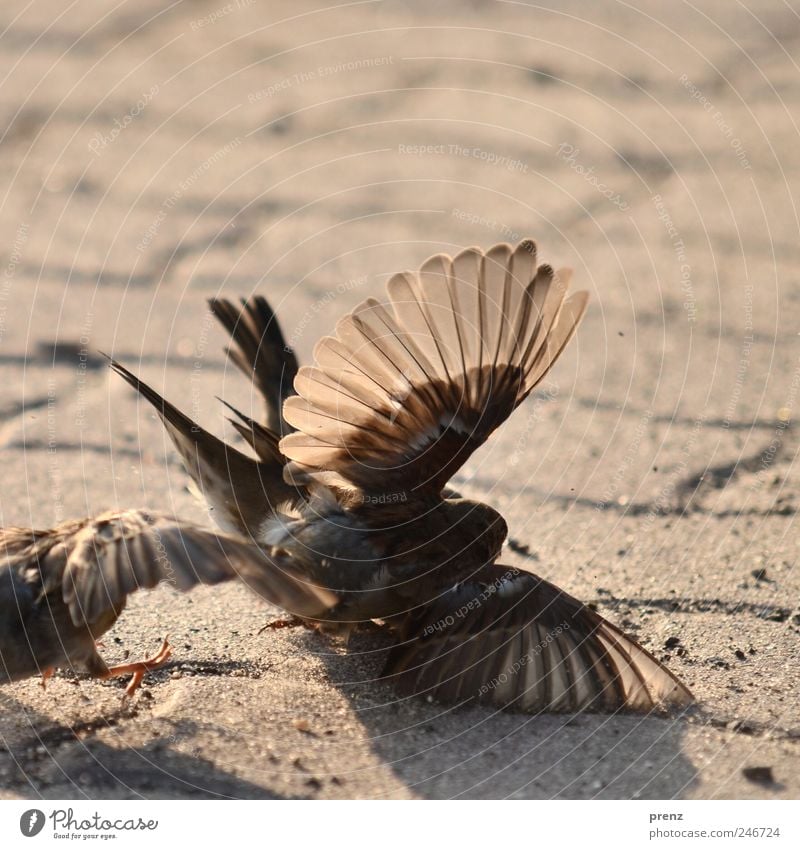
(139, 668)
(286, 622)
(47, 674)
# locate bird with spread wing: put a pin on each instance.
(345, 516)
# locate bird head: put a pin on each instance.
(484, 525)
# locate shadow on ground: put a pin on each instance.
(475, 752)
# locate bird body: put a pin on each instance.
(380, 560)
(42, 634)
(38, 631)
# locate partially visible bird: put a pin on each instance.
(350, 492)
(62, 589)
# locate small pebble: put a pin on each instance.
(759, 774)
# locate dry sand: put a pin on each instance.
(161, 154)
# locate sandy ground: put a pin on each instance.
(156, 154)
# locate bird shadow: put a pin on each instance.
(471, 751)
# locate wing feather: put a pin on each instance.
(115, 554)
(260, 351)
(398, 399)
(541, 650)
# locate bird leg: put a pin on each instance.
(47, 674)
(140, 667)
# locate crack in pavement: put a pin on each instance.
(768, 612)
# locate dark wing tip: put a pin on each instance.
(123, 372)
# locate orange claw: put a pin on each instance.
(284, 622)
(140, 667)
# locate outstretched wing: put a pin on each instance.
(400, 397)
(511, 639)
(103, 560)
(260, 351)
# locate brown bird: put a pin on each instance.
(354, 497)
(62, 589)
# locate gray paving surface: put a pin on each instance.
(156, 154)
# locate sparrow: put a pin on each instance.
(351, 485)
(61, 589)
